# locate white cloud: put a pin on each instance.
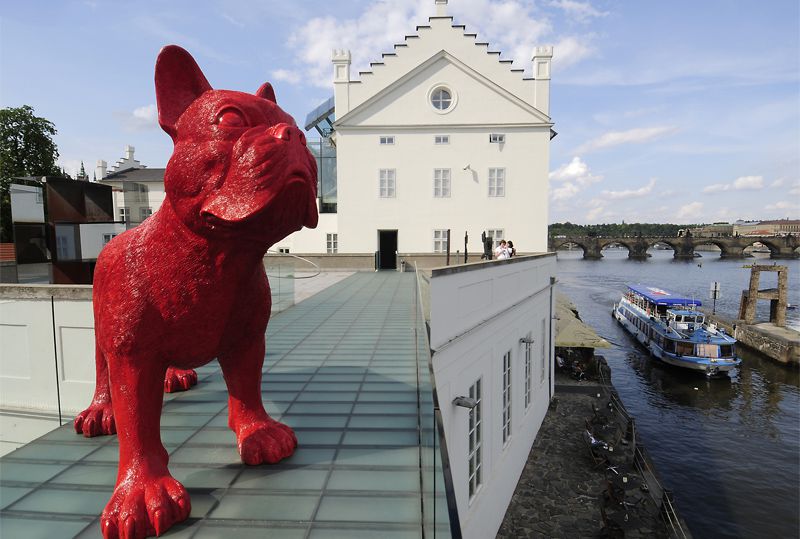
(748, 183)
(631, 193)
(595, 213)
(580, 11)
(575, 176)
(571, 50)
(742, 183)
(782, 205)
(141, 119)
(631, 136)
(292, 77)
(565, 192)
(692, 211)
(576, 170)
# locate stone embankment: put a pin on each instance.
(573, 486)
(778, 343)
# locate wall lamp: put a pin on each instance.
(465, 402)
(526, 340)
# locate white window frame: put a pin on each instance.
(145, 212)
(528, 370)
(497, 138)
(543, 373)
(497, 182)
(506, 415)
(491, 232)
(387, 183)
(475, 441)
(125, 213)
(386, 140)
(441, 183)
(440, 240)
(441, 139)
(332, 242)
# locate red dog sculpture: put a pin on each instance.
(188, 285)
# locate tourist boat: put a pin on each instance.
(674, 331)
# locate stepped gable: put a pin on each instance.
(441, 35)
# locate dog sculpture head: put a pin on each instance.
(240, 170)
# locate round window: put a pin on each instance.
(441, 99)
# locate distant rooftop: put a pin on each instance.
(137, 175)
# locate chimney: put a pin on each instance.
(129, 152)
(341, 81)
(100, 169)
(541, 74)
(441, 8)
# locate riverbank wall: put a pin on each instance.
(780, 344)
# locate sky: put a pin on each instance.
(673, 112)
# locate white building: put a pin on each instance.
(138, 191)
(440, 134)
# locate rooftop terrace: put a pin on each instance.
(346, 368)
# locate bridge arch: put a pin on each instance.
(604, 244)
(725, 248)
(771, 244)
(651, 243)
(558, 244)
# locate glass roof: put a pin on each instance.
(343, 368)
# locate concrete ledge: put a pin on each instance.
(46, 291)
(471, 266)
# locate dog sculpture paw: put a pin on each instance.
(96, 420)
(179, 379)
(266, 441)
(144, 505)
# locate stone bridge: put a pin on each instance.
(731, 247)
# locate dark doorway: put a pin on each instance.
(387, 250)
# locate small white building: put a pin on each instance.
(138, 191)
(440, 134)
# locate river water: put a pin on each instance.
(728, 448)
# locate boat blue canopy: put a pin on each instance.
(659, 296)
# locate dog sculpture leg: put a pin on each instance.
(260, 438)
(147, 500)
(98, 418)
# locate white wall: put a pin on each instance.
(478, 313)
(522, 213)
(310, 240)
(29, 356)
(92, 237)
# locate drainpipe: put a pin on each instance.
(550, 343)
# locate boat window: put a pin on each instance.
(669, 346)
(685, 349)
(688, 319)
(679, 319)
(708, 350)
(726, 350)
(700, 319)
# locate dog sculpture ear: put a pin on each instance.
(267, 92)
(179, 81)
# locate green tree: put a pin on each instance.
(26, 149)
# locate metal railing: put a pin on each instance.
(660, 495)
